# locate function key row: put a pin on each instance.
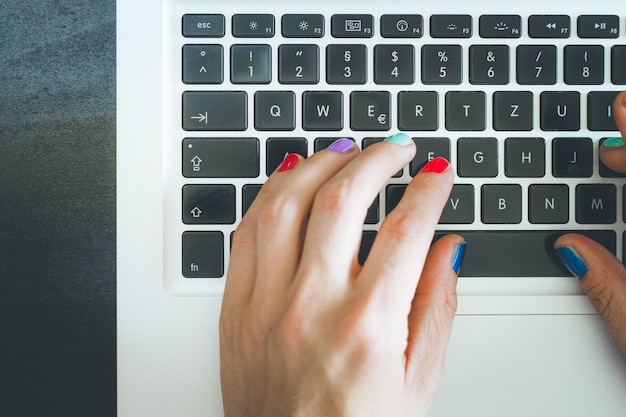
(399, 26)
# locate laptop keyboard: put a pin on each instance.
(518, 104)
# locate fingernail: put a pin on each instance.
(401, 139)
(343, 145)
(459, 255)
(437, 165)
(572, 261)
(613, 143)
(290, 162)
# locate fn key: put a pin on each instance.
(203, 255)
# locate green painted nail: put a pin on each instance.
(614, 143)
(401, 139)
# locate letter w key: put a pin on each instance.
(322, 110)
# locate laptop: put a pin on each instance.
(516, 95)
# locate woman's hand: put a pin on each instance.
(603, 276)
(305, 330)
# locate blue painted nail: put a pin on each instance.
(343, 145)
(401, 139)
(614, 143)
(459, 255)
(572, 261)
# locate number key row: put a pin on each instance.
(396, 64)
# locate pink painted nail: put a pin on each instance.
(289, 162)
(437, 165)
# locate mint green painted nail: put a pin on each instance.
(401, 139)
(614, 143)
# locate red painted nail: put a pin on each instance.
(289, 162)
(437, 165)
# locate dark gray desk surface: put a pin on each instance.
(57, 208)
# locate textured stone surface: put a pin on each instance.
(57, 208)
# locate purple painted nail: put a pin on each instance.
(343, 145)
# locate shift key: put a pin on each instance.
(215, 110)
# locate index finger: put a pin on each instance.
(613, 151)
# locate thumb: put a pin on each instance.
(603, 278)
(432, 313)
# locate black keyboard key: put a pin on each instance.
(525, 157)
(596, 203)
(209, 204)
(278, 148)
(549, 26)
(298, 64)
(572, 157)
(367, 241)
(303, 26)
(560, 110)
(274, 110)
(515, 253)
(322, 110)
(220, 157)
(401, 26)
(346, 64)
(203, 255)
(513, 110)
(427, 150)
(489, 64)
(248, 195)
(548, 203)
(465, 110)
(618, 63)
(203, 64)
(459, 208)
(215, 110)
(477, 157)
(600, 110)
(500, 26)
(373, 213)
(393, 195)
(253, 26)
(250, 64)
(442, 64)
(598, 26)
(536, 64)
(204, 26)
(605, 171)
(394, 64)
(451, 26)
(501, 204)
(352, 26)
(418, 110)
(370, 110)
(584, 64)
